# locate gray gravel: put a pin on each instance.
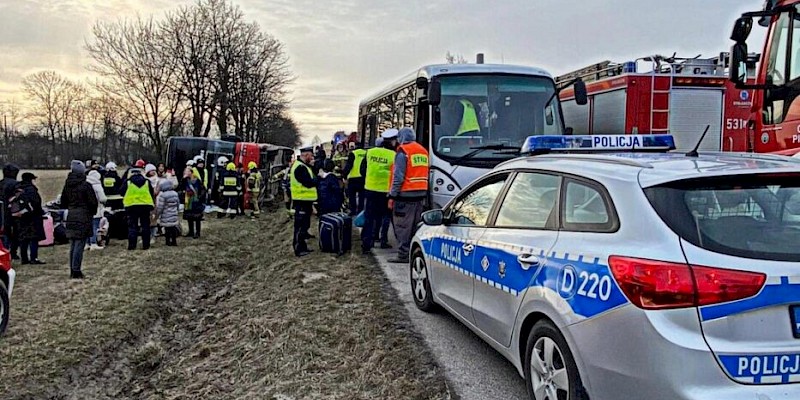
(475, 369)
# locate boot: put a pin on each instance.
(76, 275)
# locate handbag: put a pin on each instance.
(360, 220)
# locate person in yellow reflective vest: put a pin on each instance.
(138, 202)
(377, 171)
(469, 119)
(254, 187)
(231, 186)
(355, 180)
(200, 170)
(303, 185)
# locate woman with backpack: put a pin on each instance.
(26, 208)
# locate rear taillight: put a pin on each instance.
(659, 285)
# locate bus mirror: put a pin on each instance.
(742, 29)
(434, 93)
(581, 97)
(738, 63)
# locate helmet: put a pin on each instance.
(231, 167)
(252, 165)
(199, 159)
(190, 163)
(139, 163)
(111, 166)
(222, 161)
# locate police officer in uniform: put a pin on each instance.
(377, 170)
(408, 191)
(138, 201)
(303, 185)
(355, 180)
(230, 190)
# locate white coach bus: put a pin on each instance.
(470, 117)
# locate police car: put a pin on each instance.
(631, 275)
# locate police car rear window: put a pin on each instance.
(751, 216)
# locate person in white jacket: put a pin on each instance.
(96, 180)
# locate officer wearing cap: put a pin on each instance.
(303, 186)
(377, 170)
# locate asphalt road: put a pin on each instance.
(476, 370)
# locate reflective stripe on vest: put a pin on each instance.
(109, 182)
(230, 184)
(417, 167)
(300, 192)
(469, 120)
(379, 169)
(254, 182)
(358, 158)
(137, 196)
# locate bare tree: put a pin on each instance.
(48, 92)
(138, 75)
(451, 58)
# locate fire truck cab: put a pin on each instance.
(657, 94)
(774, 121)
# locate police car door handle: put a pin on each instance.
(528, 260)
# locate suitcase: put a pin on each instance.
(335, 233)
(49, 231)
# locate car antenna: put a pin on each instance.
(694, 153)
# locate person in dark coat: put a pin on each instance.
(29, 225)
(7, 188)
(79, 200)
(331, 196)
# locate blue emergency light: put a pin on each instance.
(598, 143)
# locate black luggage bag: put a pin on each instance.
(335, 233)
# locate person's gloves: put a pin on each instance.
(391, 204)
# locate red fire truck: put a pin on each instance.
(774, 121)
(659, 94)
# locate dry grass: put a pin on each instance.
(229, 316)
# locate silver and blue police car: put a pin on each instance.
(633, 275)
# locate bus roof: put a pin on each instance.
(430, 71)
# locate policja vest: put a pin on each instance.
(469, 120)
(300, 192)
(230, 184)
(379, 169)
(137, 196)
(417, 167)
(358, 158)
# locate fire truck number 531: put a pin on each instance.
(735, 123)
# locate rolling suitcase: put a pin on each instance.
(49, 231)
(335, 233)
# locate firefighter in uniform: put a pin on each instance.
(138, 201)
(408, 191)
(355, 180)
(303, 186)
(377, 171)
(111, 187)
(230, 189)
(254, 187)
(215, 192)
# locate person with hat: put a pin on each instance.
(408, 191)
(303, 185)
(254, 187)
(377, 170)
(80, 201)
(29, 222)
(111, 185)
(230, 189)
(139, 202)
(95, 179)
(355, 180)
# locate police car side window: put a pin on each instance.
(475, 207)
(586, 209)
(530, 202)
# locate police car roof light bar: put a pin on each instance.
(598, 144)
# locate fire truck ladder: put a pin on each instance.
(666, 94)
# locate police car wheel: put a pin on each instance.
(550, 369)
(420, 284)
(4, 308)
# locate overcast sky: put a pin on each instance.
(342, 50)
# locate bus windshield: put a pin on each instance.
(495, 111)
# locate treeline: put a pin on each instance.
(200, 70)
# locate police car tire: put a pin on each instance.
(4, 308)
(545, 328)
(426, 305)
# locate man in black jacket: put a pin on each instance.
(304, 194)
(7, 187)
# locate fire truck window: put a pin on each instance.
(776, 70)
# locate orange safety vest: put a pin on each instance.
(417, 167)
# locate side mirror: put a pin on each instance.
(738, 63)
(433, 217)
(742, 29)
(434, 93)
(581, 96)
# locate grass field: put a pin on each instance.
(232, 315)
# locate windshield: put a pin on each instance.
(752, 216)
(493, 110)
